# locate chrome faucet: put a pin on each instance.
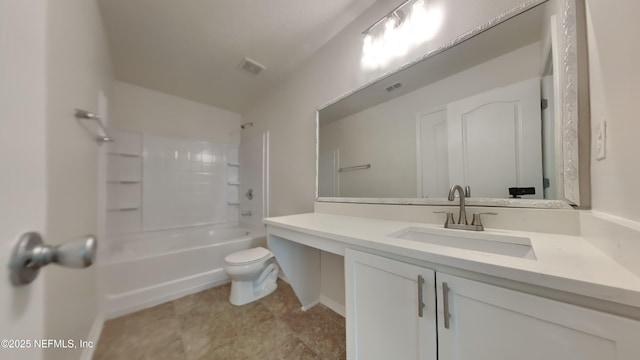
(463, 224)
(462, 219)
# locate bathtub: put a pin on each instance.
(150, 268)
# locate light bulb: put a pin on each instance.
(390, 24)
(367, 46)
(369, 51)
(418, 5)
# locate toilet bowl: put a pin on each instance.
(253, 275)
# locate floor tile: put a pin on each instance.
(282, 300)
(206, 326)
(295, 349)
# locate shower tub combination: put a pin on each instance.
(147, 269)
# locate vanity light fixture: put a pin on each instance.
(406, 26)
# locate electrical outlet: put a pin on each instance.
(601, 141)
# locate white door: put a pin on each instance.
(549, 150)
(432, 154)
(22, 160)
(328, 179)
(495, 140)
(382, 304)
(491, 323)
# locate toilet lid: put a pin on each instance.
(247, 256)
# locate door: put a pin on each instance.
(328, 179)
(491, 323)
(495, 140)
(550, 159)
(382, 305)
(22, 157)
(49, 65)
(432, 154)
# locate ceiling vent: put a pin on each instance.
(251, 67)
(390, 88)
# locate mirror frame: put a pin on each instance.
(576, 132)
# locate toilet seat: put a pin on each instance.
(248, 257)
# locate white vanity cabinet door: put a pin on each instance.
(492, 323)
(382, 298)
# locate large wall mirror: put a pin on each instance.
(502, 109)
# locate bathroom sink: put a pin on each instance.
(487, 242)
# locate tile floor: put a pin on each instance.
(206, 326)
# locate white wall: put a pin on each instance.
(147, 111)
(614, 57)
(385, 135)
(22, 161)
(78, 67)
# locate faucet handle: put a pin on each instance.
(449, 217)
(477, 220)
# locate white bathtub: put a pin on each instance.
(147, 269)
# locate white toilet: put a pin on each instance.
(253, 274)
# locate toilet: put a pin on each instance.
(253, 274)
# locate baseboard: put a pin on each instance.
(122, 304)
(282, 277)
(93, 336)
(333, 305)
(310, 305)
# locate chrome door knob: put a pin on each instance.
(30, 254)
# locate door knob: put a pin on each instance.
(30, 254)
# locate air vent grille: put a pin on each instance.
(393, 87)
(251, 67)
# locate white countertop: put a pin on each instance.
(566, 263)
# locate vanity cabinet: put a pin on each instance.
(383, 301)
(488, 322)
(484, 322)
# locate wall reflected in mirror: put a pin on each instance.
(483, 114)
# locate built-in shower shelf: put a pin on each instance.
(233, 183)
(233, 164)
(124, 178)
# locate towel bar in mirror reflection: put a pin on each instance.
(356, 167)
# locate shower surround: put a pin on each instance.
(173, 214)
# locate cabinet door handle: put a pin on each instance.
(445, 302)
(421, 304)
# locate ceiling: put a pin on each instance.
(193, 48)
